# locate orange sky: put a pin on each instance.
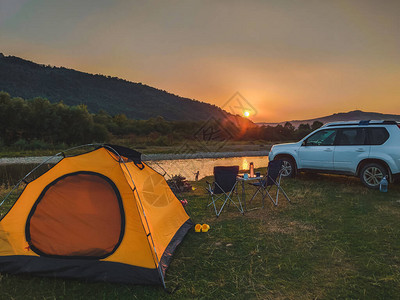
(289, 59)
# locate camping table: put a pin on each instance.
(242, 180)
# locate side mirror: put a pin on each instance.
(304, 143)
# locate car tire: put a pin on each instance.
(372, 174)
(288, 166)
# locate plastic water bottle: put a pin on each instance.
(383, 185)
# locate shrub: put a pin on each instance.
(38, 145)
(21, 144)
(161, 141)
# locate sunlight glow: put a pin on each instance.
(245, 164)
(246, 113)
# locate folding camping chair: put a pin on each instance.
(224, 188)
(272, 178)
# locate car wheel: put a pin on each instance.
(288, 167)
(372, 174)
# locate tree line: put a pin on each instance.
(286, 132)
(40, 123)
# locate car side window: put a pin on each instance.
(377, 135)
(324, 137)
(351, 136)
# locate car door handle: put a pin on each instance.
(360, 150)
(328, 150)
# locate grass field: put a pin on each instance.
(336, 240)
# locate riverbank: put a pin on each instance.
(230, 148)
(145, 157)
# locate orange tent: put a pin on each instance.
(104, 215)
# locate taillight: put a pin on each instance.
(398, 125)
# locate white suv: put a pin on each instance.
(368, 149)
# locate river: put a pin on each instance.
(12, 173)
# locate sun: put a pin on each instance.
(246, 113)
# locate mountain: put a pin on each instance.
(26, 79)
(338, 117)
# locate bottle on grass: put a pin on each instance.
(383, 185)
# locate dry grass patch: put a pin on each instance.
(273, 224)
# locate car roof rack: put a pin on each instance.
(362, 123)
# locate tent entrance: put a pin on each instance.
(77, 215)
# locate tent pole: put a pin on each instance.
(157, 261)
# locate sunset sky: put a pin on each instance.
(289, 59)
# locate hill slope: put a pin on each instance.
(22, 78)
(348, 116)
